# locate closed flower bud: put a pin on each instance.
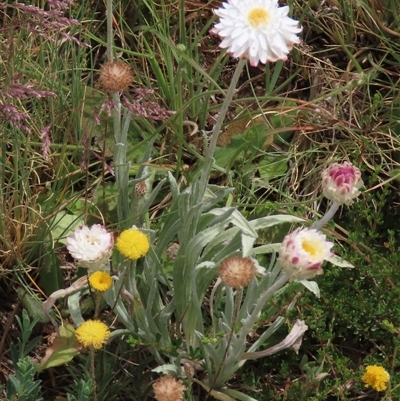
(116, 76)
(341, 183)
(302, 253)
(237, 272)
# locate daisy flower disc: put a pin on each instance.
(256, 29)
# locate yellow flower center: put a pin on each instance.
(92, 239)
(311, 247)
(258, 16)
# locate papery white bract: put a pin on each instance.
(302, 253)
(341, 182)
(92, 246)
(256, 29)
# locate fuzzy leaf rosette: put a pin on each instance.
(91, 246)
(303, 252)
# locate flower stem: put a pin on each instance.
(208, 160)
(110, 34)
(249, 322)
(328, 215)
(238, 302)
(92, 372)
(97, 302)
(120, 133)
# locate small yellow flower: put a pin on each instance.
(133, 244)
(167, 388)
(92, 333)
(100, 281)
(376, 377)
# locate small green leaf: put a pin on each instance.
(64, 349)
(339, 262)
(272, 167)
(32, 305)
(312, 286)
(64, 224)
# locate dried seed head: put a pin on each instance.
(237, 272)
(116, 76)
(141, 188)
(189, 370)
(167, 388)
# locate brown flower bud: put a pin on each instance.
(167, 388)
(237, 272)
(116, 76)
(189, 370)
(141, 188)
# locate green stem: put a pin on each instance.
(208, 160)
(238, 302)
(120, 133)
(97, 301)
(249, 322)
(92, 372)
(328, 216)
(110, 34)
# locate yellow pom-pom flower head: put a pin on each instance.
(133, 244)
(92, 333)
(376, 377)
(100, 281)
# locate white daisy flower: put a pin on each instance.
(256, 29)
(302, 253)
(91, 247)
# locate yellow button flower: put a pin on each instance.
(133, 244)
(100, 281)
(92, 333)
(376, 377)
